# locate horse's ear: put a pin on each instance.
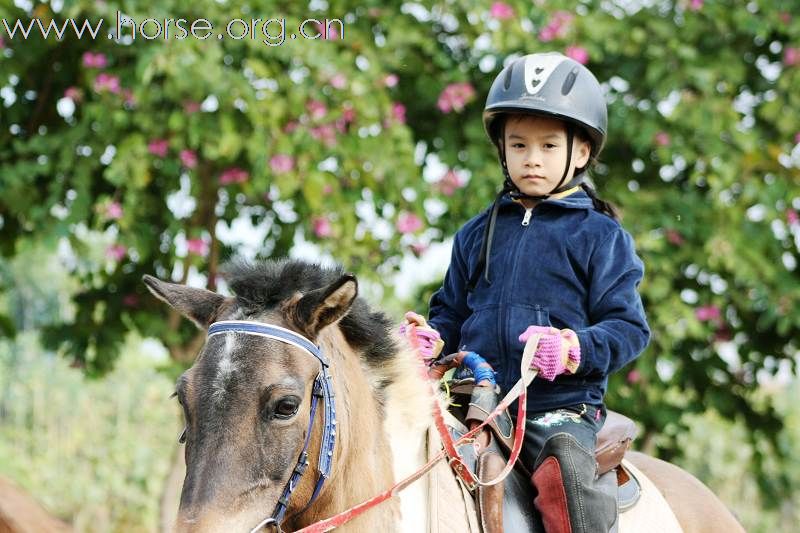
(198, 305)
(321, 307)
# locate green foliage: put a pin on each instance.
(95, 453)
(719, 453)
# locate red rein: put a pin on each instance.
(450, 447)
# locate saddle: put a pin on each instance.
(508, 506)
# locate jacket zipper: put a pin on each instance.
(527, 218)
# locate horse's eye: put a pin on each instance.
(286, 408)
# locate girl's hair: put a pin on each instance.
(607, 208)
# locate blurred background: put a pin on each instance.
(143, 153)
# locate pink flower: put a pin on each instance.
(791, 217)
(707, 313)
(107, 82)
(116, 252)
(558, 27)
(326, 133)
(791, 56)
(322, 227)
(281, 163)
(91, 60)
(191, 106)
(158, 147)
(390, 80)
(330, 32)
(455, 96)
(348, 116)
(578, 53)
(450, 182)
(408, 223)
(418, 248)
(797, 137)
(290, 126)
(197, 247)
(327, 189)
(130, 300)
(695, 5)
(674, 237)
(662, 138)
(634, 377)
(722, 333)
(316, 108)
(114, 211)
(399, 112)
(501, 11)
(338, 81)
(73, 93)
(188, 158)
(233, 175)
(130, 99)
(785, 17)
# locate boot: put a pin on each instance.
(569, 498)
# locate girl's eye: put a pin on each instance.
(518, 145)
(286, 408)
(549, 146)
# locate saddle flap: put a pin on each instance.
(613, 440)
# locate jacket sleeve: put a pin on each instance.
(448, 306)
(618, 330)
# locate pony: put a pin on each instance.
(295, 339)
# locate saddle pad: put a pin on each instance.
(651, 512)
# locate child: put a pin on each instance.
(549, 257)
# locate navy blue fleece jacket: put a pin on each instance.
(569, 267)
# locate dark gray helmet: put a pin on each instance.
(549, 84)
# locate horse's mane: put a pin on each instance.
(261, 286)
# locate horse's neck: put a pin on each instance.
(362, 465)
(408, 414)
(408, 417)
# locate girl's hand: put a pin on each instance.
(421, 336)
(558, 351)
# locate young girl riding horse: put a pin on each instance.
(548, 258)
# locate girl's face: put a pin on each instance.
(536, 153)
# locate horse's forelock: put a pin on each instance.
(265, 285)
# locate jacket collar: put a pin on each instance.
(577, 199)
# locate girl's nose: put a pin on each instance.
(532, 159)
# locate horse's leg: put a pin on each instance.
(697, 508)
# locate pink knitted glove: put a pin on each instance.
(424, 338)
(558, 351)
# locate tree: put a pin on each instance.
(140, 155)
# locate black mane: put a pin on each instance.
(262, 285)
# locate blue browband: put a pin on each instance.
(322, 389)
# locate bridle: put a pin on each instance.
(322, 389)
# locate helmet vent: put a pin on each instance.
(509, 72)
(569, 81)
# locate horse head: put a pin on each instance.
(249, 398)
